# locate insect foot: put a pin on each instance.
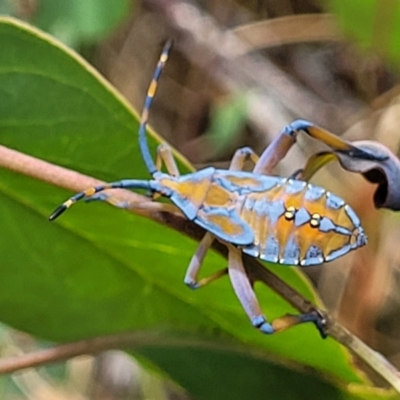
(287, 321)
(261, 323)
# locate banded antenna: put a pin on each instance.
(151, 91)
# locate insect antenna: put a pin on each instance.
(151, 91)
(144, 147)
(88, 193)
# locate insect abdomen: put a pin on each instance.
(297, 223)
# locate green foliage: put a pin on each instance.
(99, 270)
(374, 24)
(228, 119)
(75, 22)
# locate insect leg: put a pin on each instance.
(245, 293)
(318, 161)
(289, 320)
(164, 155)
(335, 142)
(240, 156)
(192, 273)
(279, 147)
(274, 153)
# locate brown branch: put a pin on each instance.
(92, 346)
(289, 30)
(62, 177)
(66, 351)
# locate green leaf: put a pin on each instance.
(374, 24)
(237, 375)
(76, 22)
(99, 270)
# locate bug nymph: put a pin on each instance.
(280, 220)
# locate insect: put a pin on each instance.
(281, 220)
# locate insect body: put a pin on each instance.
(285, 221)
(279, 220)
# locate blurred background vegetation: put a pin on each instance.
(340, 70)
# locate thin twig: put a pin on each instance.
(65, 178)
(63, 352)
(289, 30)
(82, 347)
